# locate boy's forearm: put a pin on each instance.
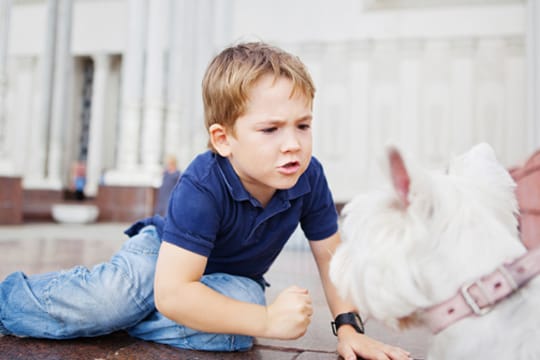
(322, 251)
(336, 304)
(201, 308)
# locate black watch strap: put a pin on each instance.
(350, 318)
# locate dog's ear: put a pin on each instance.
(400, 176)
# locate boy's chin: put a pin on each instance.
(286, 184)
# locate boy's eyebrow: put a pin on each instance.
(274, 120)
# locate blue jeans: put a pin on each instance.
(115, 295)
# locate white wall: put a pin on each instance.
(434, 79)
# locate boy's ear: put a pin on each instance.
(219, 138)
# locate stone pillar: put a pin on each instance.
(128, 193)
(154, 99)
(193, 42)
(35, 177)
(409, 92)
(181, 86)
(462, 85)
(359, 86)
(533, 72)
(132, 91)
(204, 49)
(56, 170)
(94, 161)
(5, 7)
(20, 138)
(515, 98)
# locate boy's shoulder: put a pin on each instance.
(202, 165)
(212, 173)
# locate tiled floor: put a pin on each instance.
(36, 248)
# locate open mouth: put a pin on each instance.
(290, 167)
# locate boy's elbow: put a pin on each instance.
(169, 304)
(160, 302)
(164, 300)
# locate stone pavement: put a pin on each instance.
(36, 248)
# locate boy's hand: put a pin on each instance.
(352, 344)
(289, 315)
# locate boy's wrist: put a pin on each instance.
(350, 320)
(264, 323)
(345, 330)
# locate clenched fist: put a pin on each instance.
(289, 315)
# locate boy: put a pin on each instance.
(229, 216)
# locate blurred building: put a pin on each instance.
(116, 84)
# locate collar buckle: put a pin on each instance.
(473, 304)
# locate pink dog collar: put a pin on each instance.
(478, 297)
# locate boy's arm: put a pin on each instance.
(180, 296)
(350, 343)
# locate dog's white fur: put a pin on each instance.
(415, 244)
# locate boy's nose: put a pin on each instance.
(291, 141)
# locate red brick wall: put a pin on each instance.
(11, 200)
(37, 203)
(125, 203)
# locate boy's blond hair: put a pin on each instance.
(233, 72)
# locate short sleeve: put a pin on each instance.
(193, 218)
(319, 219)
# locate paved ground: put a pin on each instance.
(36, 248)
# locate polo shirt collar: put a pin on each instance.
(239, 193)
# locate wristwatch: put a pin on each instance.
(350, 318)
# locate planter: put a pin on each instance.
(75, 213)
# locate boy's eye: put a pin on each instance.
(304, 126)
(269, 130)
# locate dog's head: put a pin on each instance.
(415, 243)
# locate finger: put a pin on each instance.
(349, 354)
(298, 289)
(398, 354)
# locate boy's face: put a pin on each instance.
(272, 142)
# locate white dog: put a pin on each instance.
(411, 256)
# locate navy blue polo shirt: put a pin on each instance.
(211, 213)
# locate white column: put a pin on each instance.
(192, 45)
(174, 137)
(154, 100)
(132, 87)
(204, 48)
(5, 6)
(359, 155)
(223, 23)
(515, 108)
(183, 89)
(22, 116)
(56, 170)
(409, 93)
(462, 93)
(102, 66)
(37, 163)
(334, 95)
(533, 73)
